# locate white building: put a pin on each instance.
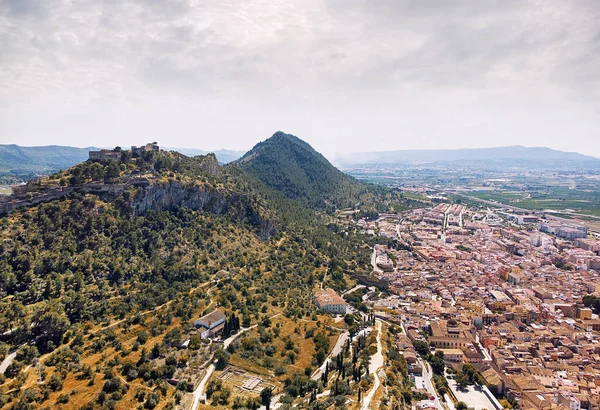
(329, 301)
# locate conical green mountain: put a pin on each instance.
(289, 165)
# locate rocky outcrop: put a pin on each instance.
(203, 197)
(106, 191)
(166, 196)
(210, 164)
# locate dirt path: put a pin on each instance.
(7, 361)
(357, 287)
(43, 357)
(156, 308)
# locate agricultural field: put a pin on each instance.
(555, 198)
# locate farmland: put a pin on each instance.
(550, 198)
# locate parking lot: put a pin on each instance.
(473, 396)
(419, 382)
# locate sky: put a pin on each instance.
(344, 75)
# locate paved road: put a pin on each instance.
(548, 214)
(487, 357)
(427, 374)
(419, 382)
(375, 364)
(334, 352)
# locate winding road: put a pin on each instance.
(334, 352)
(374, 366)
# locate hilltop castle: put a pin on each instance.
(115, 154)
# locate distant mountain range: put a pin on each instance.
(513, 156)
(17, 159)
(45, 159)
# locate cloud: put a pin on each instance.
(488, 59)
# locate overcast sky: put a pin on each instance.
(344, 75)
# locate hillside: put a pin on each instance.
(46, 159)
(106, 265)
(513, 156)
(43, 159)
(291, 166)
(224, 156)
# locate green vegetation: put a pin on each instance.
(437, 363)
(463, 248)
(421, 347)
(291, 166)
(558, 198)
(592, 301)
(101, 288)
(468, 376)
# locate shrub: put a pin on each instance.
(55, 383)
(63, 399)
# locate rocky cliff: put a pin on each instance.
(203, 197)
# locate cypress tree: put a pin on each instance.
(226, 331)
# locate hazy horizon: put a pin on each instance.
(345, 76)
(330, 155)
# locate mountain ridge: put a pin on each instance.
(291, 166)
(44, 159)
(514, 152)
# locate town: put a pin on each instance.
(509, 298)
